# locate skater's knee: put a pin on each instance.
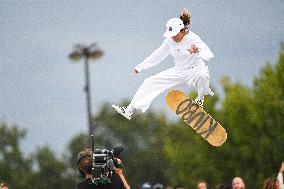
(204, 76)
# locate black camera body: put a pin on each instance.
(103, 163)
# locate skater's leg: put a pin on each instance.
(202, 82)
(152, 87)
(199, 78)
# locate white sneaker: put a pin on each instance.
(123, 111)
(199, 101)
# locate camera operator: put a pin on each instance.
(84, 163)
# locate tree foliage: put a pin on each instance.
(12, 163)
(39, 170)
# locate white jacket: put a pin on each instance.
(182, 57)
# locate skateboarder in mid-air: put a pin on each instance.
(188, 51)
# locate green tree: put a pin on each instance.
(41, 170)
(14, 168)
(51, 172)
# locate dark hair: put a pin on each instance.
(270, 183)
(186, 18)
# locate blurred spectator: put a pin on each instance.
(3, 185)
(202, 184)
(157, 186)
(146, 185)
(271, 183)
(238, 183)
(280, 176)
(179, 187)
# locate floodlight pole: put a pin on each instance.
(87, 53)
(88, 94)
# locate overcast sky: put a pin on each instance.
(40, 89)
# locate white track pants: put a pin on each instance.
(196, 77)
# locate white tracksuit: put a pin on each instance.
(189, 69)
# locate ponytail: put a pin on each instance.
(186, 18)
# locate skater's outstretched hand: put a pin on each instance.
(135, 71)
(193, 49)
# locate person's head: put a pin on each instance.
(202, 184)
(3, 185)
(157, 186)
(84, 162)
(176, 27)
(146, 185)
(238, 183)
(179, 187)
(271, 183)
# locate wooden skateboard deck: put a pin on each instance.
(196, 117)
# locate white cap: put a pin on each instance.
(174, 25)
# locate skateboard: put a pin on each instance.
(196, 117)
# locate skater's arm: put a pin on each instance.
(203, 50)
(155, 58)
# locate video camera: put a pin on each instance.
(104, 162)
